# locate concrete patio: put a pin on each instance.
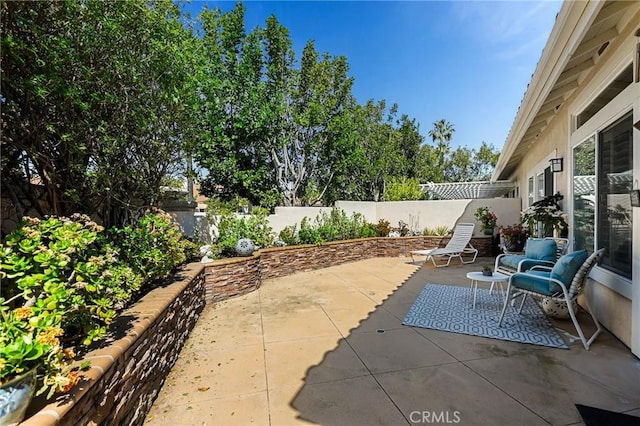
(328, 347)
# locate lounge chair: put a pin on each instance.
(459, 244)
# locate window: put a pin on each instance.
(602, 167)
(615, 176)
(540, 186)
(602, 179)
(584, 194)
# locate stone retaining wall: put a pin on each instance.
(126, 376)
(127, 373)
(233, 277)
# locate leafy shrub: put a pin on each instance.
(60, 282)
(30, 338)
(231, 228)
(308, 234)
(191, 250)
(289, 235)
(63, 279)
(439, 231)
(402, 189)
(59, 266)
(153, 248)
(328, 226)
(382, 228)
(368, 232)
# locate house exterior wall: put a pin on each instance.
(550, 144)
(616, 306)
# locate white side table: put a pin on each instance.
(475, 277)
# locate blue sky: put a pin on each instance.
(468, 62)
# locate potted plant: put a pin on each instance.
(487, 219)
(487, 270)
(543, 220)
(513, 238)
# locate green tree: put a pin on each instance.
(303, 159)
(235, 110)
(441, 135)
(380, 143)
(410, 142)
(402, 189)
(485, 161)
(98, 103)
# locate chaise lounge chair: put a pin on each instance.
(458, 245)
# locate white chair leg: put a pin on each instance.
(442, 265)
(586, 343)
(524, 298)
(506, 303)
(515, 295)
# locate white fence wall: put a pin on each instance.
(416, 214)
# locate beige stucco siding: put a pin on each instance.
(613, 309)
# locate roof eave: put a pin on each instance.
(572, 23)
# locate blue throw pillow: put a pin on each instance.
(540, 249)
(567, 266)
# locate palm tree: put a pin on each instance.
(441, 133)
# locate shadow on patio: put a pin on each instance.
(415, 375)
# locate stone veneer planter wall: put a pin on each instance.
(126, 376)
(233, 277)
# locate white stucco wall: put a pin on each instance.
(416, 214)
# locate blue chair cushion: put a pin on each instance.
(536, 281)
(511, 260)
(540, 249)
(567, 266)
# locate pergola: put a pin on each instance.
(468, 190)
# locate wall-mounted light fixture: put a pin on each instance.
(556, 165)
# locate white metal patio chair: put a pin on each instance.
(459, 244)
(538, 252)
(563, 283)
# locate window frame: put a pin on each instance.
(537, 180)
(609, 114)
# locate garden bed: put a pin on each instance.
(127, 373)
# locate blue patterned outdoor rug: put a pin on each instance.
(449, 308)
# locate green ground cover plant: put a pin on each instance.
(64, 279)
(328, 226)
(232, 228)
